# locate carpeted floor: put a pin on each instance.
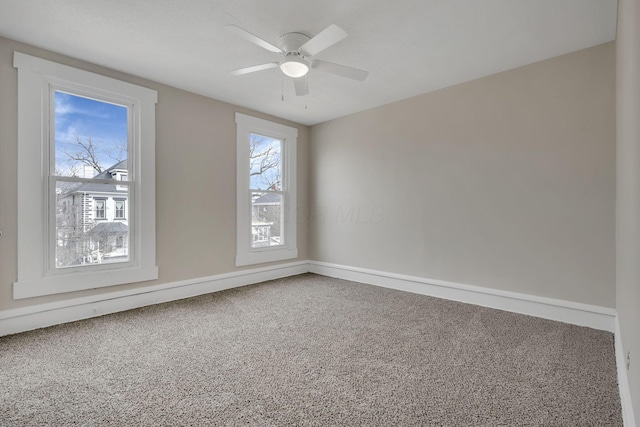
(310, 350)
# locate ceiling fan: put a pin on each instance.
(297, 51)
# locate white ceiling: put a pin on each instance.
(408, 46)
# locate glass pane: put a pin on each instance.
(120, 212)
(266, 219)
(91, 138)
(88, 230)
(265, 163)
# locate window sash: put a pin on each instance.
(99, 214)
(52, 268)
(283, 229)
(280, 167)
(247, 254)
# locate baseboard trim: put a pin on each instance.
(42, 315)
(592, 316)
(38, 316)
(623, 380)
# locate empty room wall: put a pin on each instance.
(628, 189)
(195, 180)
(506, 182)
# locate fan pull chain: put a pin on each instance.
(282, 86)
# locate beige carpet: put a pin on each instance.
(310, 350)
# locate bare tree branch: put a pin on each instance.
(265, 163)
(72, 170)
(120, 151)
(86, 154)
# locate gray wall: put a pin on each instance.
(506, 182)
(195, 187)
(628, 188)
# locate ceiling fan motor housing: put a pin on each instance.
(291, 42)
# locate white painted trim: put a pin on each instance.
(38, 316)
(592, 316)
(36, 79)
(245, 254)
(623, 381)
(61, 283)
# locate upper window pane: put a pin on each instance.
(265, 163)
(91, 137)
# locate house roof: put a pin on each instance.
(268, 199)
(110, 228)
(101, 188)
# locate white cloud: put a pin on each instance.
(65, 106)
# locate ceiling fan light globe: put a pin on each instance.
(293, 68)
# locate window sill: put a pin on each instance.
(82, 281)
(268, 255)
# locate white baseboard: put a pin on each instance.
(623, 380)
(38, 316)
(592, 316)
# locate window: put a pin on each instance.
(100, 214)
(265, 184)
(84, 132)
(120, 242)
(119, 205)
(266, 200)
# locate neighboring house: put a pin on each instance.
(92, 220)
(265, 219)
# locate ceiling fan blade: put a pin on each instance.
(341, 70)
(254, 68)
(300, 84)
(253, 38)
(327, 37)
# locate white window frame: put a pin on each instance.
(246, 254)
(36, 79)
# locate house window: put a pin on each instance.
(120, 242)
(266, 200)
(265, 184)
(81, 131)
(100, 212)
(119, 208)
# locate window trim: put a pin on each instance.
(36, 77)
(245, 253)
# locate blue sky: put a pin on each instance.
(78, 117)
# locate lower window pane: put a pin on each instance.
(91, 227)
(266, 219)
